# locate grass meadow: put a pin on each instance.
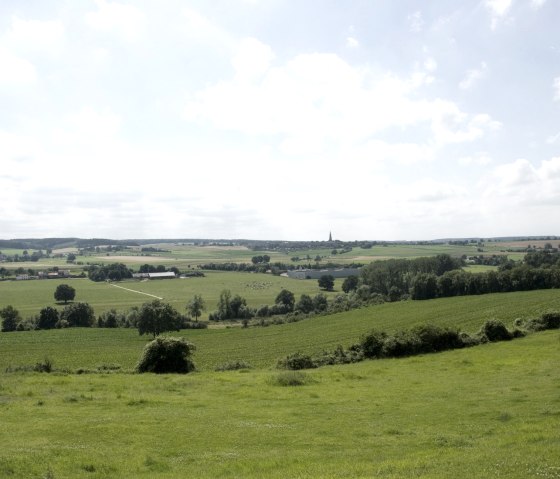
(29, 297)
(261, 346)
(489, 411)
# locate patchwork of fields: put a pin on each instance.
(488, 411)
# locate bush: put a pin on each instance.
(402, 343)
(372, 344)
(434, 338)
(339, 356)
(494, 330)
(551, 319)
(44, 367)
(291, 378)
(166, 355)
(296, 361)
(47, 318)
(78, 314)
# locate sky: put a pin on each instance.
(273, 119)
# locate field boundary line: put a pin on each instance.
(134, 291)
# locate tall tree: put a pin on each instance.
(326, 282)
(157, 317)
(10, 318)
(64, 292)
(195, 306)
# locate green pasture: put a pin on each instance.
(262, 346)
(185, 256)
(29, 297)
(485, 412)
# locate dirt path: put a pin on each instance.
(134, 291)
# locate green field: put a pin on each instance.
(262, 346)
(185, 256)
(28, 297)
(489, 411)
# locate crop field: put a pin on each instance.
(185, 256)
(28, 297)
(262, 346)
(488, 411)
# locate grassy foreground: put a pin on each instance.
(488, 411)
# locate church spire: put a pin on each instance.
(330, 237)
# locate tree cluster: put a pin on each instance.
(110, 272)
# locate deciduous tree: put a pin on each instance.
(64, 292)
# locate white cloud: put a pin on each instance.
(553, 138)
(556, 87)
(415, 22)
(126, 21)
(473, 76)
(430, 65)
(14, 70)
(321, 98)
(523, 183)
(351, 42)
(479, 159)
(537, 3)
(200, 29)
(35, 36)
(252, 59)
(499, 10)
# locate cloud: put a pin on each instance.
(556, 87)
(479, 159)
(35, 36)
(14, 70)
(473, 76)
(524, 183)
(123, 20)
(351, 42)
(553, 138)
(251, 60)
(537, 3)
(415, 22)
(321, 98)
(499, 10)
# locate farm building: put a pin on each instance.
(62, 273)
(317, 273)
(165, 275)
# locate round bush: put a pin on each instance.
(166, 355)
(495, 330)
(296, 361)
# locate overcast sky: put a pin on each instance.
(271, 119)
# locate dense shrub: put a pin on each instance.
(548, 320)
(47, 318)
(10, 318)
(494, 330)
(339, 356)
(78, 314)
(433, 338)
(166, 355)
(402, 343)
(296, 361)
(372, 344)
(110, 319)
